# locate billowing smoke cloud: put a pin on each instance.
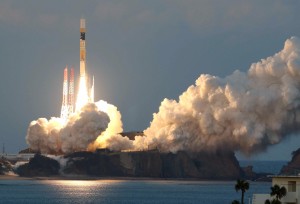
(77, 133)
(111, 138)
(244, 111)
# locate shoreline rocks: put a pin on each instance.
(104, 163)
(292, 167)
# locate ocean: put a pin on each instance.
(125, 191)
(273, 167)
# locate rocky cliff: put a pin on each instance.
(39, 166)
(293, 167)
(103, 163)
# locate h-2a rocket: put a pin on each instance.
(82, 47)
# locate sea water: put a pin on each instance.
(133, 191)
(124, 191)
(272, 167)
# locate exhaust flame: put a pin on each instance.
(82, 96)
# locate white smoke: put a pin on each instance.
(77, 133)
(244, 111)
(61, 160)
(111, 138)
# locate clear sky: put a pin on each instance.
(140, 52)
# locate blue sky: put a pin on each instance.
(140, 52)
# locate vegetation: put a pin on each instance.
(274, 201)
(278, 192)
(243, 186)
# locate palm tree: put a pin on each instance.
(274, 201)
(235, 202)
(267, 201)
(243, 186)
(278, 191)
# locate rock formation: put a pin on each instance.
(293, 167)
(39, 165)
(104, 163)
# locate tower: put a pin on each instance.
(71, 96)
(64, 106)
(67, 107)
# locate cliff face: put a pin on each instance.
(293, 167)
(39, 166)
(220, 165)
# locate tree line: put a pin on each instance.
(276, 191)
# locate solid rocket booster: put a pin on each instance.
(82, 47)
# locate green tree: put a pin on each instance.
(267, 201)
(243, 186)
(278, 192)
(235, 202)
(274, 201)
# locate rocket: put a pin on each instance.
(82, 48)
(85, 92)
(83, 61)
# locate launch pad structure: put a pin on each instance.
(86, 91)
(68, 101)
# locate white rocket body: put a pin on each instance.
(82, 48)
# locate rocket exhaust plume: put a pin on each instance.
(82, 95)
(243, 111)
(79, 131)
(75, 131)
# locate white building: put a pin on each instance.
(292, 185)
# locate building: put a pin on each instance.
(292, 185)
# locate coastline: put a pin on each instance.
(88, 178)
(14, 177)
